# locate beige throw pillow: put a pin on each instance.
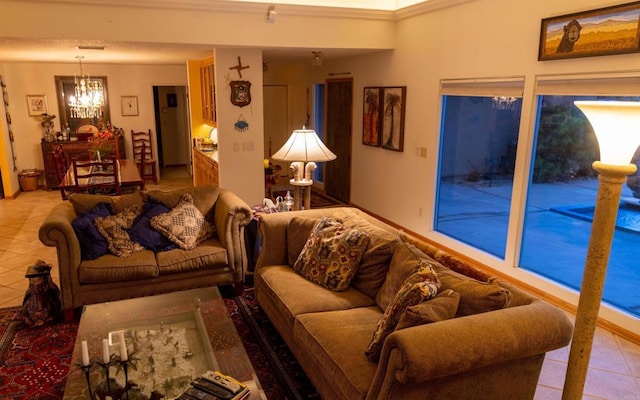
(184, 225)
(114, 229)
(440, 308)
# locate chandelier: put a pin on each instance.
(89, 96)
(504, 102)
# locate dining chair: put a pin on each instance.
(143, 155)
(96, 177)
(61, 167)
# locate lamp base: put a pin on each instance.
(302, 190)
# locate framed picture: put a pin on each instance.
(36, 104)
(129, 105)
(393, 106)
(372, 116)
(599, 32)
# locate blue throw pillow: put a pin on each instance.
(92, 243)
(142, 232)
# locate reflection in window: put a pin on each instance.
(477, 158)
(560, 202)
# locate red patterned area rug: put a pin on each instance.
(34, 362)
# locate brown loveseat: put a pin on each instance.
(493, 353)
(217, 261)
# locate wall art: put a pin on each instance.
(599, 32)
(129, 106)
(393, 104)
(372, 116)
(240, 93)
(36, 104)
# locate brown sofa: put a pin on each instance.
(217, 261)
(487, 355)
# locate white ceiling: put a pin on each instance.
(49, 50)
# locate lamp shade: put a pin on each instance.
(304, 145)
(617, 128)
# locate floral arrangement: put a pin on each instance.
(103, 142)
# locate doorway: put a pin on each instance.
(172, 126)
(339, 99)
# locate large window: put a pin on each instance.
(477, 156)
(562, 194)
(480, 125)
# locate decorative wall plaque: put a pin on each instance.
(240, 93)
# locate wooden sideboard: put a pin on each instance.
(72, 148)
(205, 167)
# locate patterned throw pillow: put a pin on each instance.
(114, 229)
(331, 255)
(421, 285)
(184, 225)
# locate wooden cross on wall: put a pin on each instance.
(239, 67)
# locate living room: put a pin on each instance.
(455, 40)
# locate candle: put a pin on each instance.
(105, 351)
(123, 348)
(85, 353)
(266, 163)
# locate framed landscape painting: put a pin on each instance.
(393, 117)
(599, 32)
(372, 116)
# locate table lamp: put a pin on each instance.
(303, 146)
(617, 128)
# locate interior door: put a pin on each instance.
(339, 96)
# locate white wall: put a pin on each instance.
(240, 153)
(122, 80)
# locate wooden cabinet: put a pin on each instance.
(207, 91)
(205, 168)
(72, 149)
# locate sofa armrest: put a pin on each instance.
(427, 352)
(231, 215)
(56, 231)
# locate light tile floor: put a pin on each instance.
(614, 372)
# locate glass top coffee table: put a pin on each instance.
(171, 339)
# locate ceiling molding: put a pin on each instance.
(426, 7)
(282, 9)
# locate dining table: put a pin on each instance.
(129, 177)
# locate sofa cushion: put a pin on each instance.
(442, 307)
(298, 232)
(83, 202)
(334, 342)
(475, 296)
(111, 268)
(284, 294)
(184, 225)
(331, 255)
(142, 232)
(92, 243)
(374, 265)
(114, 229)
(207, 255)
(204, 198)
(420, 286)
